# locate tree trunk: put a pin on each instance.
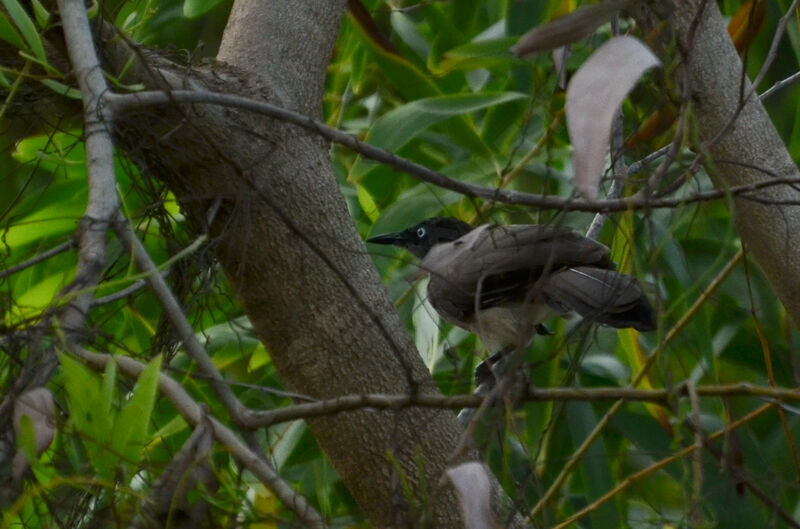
(289, 247)
(746, 151)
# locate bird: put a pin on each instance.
(501, 282)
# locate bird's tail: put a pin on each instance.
(605, 296)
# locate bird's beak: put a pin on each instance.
(396, 239)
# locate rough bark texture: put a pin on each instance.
(748, 151)
(289, 247)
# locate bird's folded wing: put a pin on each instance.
(604, 296)
(502, 262)
(497, 249)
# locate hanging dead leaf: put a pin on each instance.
(576, 25)
(37, 404)
(594, 94)
(473, 488)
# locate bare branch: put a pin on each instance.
(33, 261)
(124, 293)
(262, 419)
(780, 84)
(176, 316)
(103, 201)
(120, 103)
(194, 414)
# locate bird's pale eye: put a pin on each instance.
(421, 232)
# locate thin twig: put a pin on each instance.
(603, 422)
(102, 202)
(620, 174)
(765, 350)
(177, 317)
(121, 103)
(44, 256)
(652, 469)
(124, 293)
(378, 401)
(696, 510)
(779, 85)
(193, 413)
(780, 30)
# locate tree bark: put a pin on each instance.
(289, 247)
(746, 151)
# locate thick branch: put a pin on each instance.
(737, 130)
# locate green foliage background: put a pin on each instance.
(445, 93)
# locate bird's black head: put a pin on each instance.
(420, 238)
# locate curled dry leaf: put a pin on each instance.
(559, 32)
(594, 94)
(473, 488)
(38, 405)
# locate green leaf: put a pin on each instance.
(10, 34)
(26, 439)
(415, 204)
(130, 428)
(4, 82)
(61, 89)
(198, 8)
(27, 28)
(41, 14)
(367, 203)
(407, 30)
(32, 299)
(482, 54)
(88, 412)
(400, 125)
(52, 221)
(595, 465)
(258, 359)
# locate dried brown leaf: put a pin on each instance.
(569, 28)
(473, 488)
(594, 94)
(39, 406)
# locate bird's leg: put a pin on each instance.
(491, 369)
(487, 374)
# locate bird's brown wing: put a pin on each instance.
(500, 264)
(604, 296)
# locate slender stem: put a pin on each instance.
(120, 103)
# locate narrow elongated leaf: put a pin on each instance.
(569, 28)
(595, 466)
(88, 412)
(41, 13)
(593, 96)
(26, 27)
(62, 89)
(397, 127)
(476, 54)
(198, 8)
(130, 429)
(367, 203)
(9, 33)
